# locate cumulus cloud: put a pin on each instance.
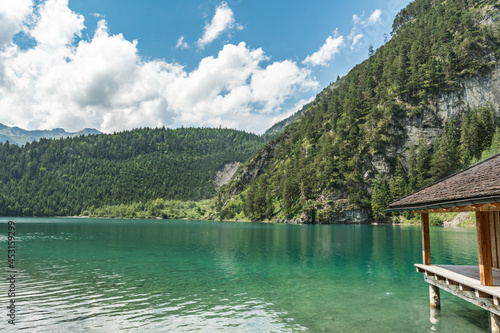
(223, 20)
(70, 82)
(326, 52)
(56, 25)
(13, 15)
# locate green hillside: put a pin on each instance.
(325, 164)
(66, 176)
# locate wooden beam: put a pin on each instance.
(484, 248)
(494, 322)
(490, 207)
(463, 287)
(481, 294)
(493, 240)
(451, 282)
(496, 222)
(426, 243)
(467, 276)
(470, 296)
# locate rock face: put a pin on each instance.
(256, 166)
(476, 91)
(223, 176)
(352, 216)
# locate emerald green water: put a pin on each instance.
(81, 275)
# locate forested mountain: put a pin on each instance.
(422, 106)
(20, 136)
(67, 176)
(280, 126)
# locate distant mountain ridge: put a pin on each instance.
(19, 136)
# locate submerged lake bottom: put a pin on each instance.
(108, 275)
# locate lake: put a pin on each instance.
(105, 275)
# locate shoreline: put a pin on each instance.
(459, 220)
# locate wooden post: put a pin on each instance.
(493, 240)
(426, 243)
(434, 296)
(435, 317)
(484, 248)
(494, 323)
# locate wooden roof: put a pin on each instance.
(476, 185)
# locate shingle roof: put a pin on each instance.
(477, 184)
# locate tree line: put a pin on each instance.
(67, 176)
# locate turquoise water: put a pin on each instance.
(81, 275)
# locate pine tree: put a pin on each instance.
(494, 148)
(412, 169)
(422, 165)
(470, 144)
(380, 197)
(397, 183)
(444, 159)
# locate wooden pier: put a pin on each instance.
(463, 281)
(475, 189)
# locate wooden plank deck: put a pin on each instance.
(464, 282)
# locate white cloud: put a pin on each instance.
(355, 40)
(335, 43)
(297, 107)
(271, 86)
(104, 83)
(181, 44)
(56, 26)
(356, 18)
(359, 22)
(374, 17)
(326, 52)
(12, 16)
(223, 20)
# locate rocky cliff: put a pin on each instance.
(475, 91)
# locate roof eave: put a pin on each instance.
(446, 204)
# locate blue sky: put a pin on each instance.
(116, 65)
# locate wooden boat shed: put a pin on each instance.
(475, 189)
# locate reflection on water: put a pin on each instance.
(177, 276)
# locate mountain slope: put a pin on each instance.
(66, 176)
(20, 136)
(386, 111)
